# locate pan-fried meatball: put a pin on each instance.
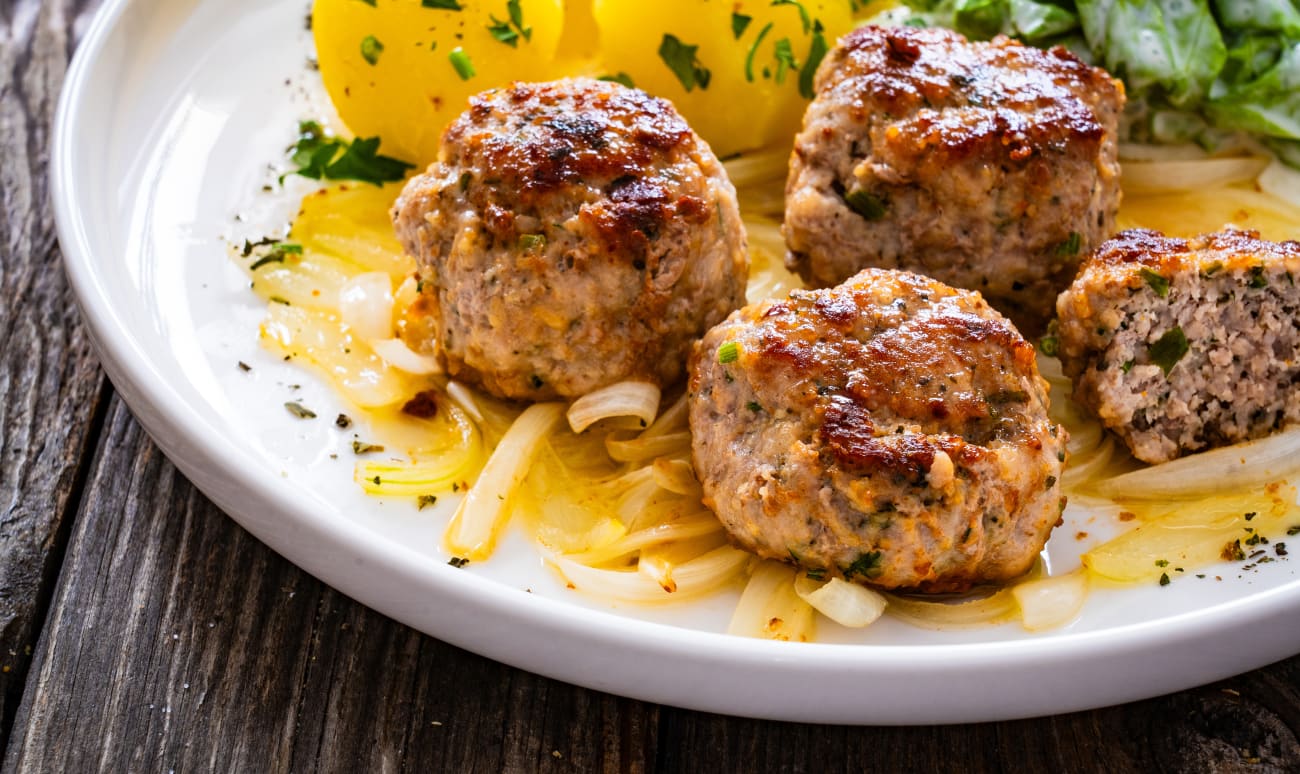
(1181, 345)
(892, 430)
(571, 235)
(990, 166)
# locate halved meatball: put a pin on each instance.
(1181, 345)
(990, 166)
(892, 431)
(570, 235)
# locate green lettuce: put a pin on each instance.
(1205, 71)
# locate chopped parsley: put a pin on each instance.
(1070, 246)
(245, 367)
(681, 59)
(1257, 278)
(361, 447)
(816, 52)
(620, 77)
(424, 501)
(803, 12)
(1212, 269)
(866, 204)
(1169, 349)
(728, 353)
(510, 30)
(1049, 345)
(458, 561)
(1164, 579)
(1162, 563)
(371, 48)
(867, 565)
(785, 61)
(1126, 366)
(739, 23)
(749, 58)
(1156, 280)
(299, 410)
(320, 156)
(530, 242)
(278, 252)
(446, 5)
(754, 406)
(461, 64)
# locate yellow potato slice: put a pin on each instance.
(402, 69)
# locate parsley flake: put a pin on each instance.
(785, 61)
(867, 565)
(803, 12)
(371, 48)
(361, 447)
(816, 53)
(1070, 246)
(749, 58)
(1169, 349)
(299, 410)
(739, 23)
(681, 59)
(446, 5)
(866, 204)
(424, 501)
(1156, 280)
(620, 77)
(460, 62)
(510, 30)
(321, 156)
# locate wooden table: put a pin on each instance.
(142, 630)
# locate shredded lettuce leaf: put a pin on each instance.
(1213, 72)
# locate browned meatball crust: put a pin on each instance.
(1180, 345)
(570, 235)
(892, 430)
(990, 166)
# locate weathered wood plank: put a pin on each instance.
(50, 384)
(177, 641)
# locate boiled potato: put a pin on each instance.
(734, 69)
(391, 66)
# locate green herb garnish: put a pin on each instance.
(460, 62)
(785, 60)
(510, 30)
(371, 48)
(446, 5)
(299, 410)
(320, 156)
(816, 52)
(361, 447)
(620, 77)
(866, 204)
(1070, 246)
(424, 501)
(278, 252)
(728, 353)
(803, 12)
(1156, 280)
(739, 23)
(681, 59)
(458, 561)
(1169, 349)
(530, 242)
(867, 565)
(1257, 278)
(1049, 345)
(754, 406)
(1164, 579)
(749, 58)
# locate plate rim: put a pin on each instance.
(211, 459)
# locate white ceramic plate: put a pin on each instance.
(172, 112)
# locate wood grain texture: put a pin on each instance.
(50, 383)
(177, 641)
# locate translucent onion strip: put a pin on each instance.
(703, 575)
(464, 398)
(685, 529)
(366, 304)
(975, 612)
(672, 420)
(847, 604)
(1050, 603)
(770, 609)
(677, 476)
(642, 449)
(763, 166)
(623, 399)
(399, 356)
(1171, 176)
(1281, 181)
(473, 528)
(1241, 467)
